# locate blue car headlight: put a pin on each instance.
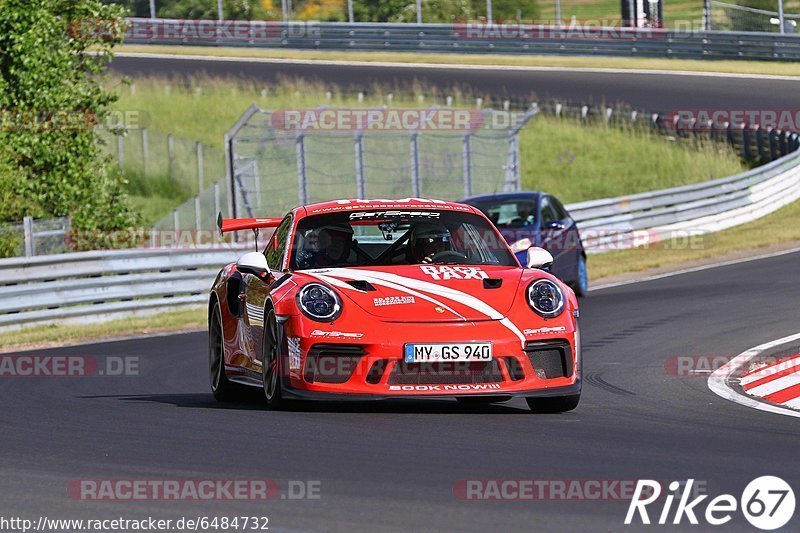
(546, 298)
(319, 302)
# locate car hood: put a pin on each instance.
(427, 293)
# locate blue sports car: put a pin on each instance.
(532, 218)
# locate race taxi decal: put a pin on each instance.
(393, 300)
(458, 272)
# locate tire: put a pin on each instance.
(581, 285)
(556, 404)
(271, 365)
(221, 387)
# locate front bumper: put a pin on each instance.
(322, 363)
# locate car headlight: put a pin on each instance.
(546, 298)
(521, 245)
(319, 302)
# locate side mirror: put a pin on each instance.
(539, 258)
(253, 263)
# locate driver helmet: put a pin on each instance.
(428, 240)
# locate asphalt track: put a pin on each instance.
(392, 466)
(654, 92)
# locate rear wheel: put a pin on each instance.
(271, 363)
(221, 387)
(556, 404)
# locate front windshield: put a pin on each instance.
(381, 238)
(511, 213)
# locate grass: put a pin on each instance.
(62, 334)
(724, 66)
(782, 226)
(571, 160)
(577, 162)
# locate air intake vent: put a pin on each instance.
(550, 360)
(361, 285)
(331, 363)
(492, 283)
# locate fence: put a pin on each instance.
(732, 17)
(267, 170)
(35, 237)
(278, 159)
(478, 37)
(190, 165)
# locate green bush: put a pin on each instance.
(51, 97)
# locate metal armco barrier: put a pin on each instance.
(477, 38)
(93, 286)
(622, 222)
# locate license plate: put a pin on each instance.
(445, 352)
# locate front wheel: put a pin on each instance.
(556, 404)
(271, 363)
(581, 285)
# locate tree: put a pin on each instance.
(52, 96)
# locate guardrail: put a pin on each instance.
(714, 205)
(473, 38)
(93, 286)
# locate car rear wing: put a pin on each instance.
(226, 225)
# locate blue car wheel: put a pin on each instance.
(581, 286)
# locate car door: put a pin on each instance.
(257, 291)
(553, 233)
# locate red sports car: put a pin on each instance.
(373, 299)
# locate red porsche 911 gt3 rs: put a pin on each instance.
(372, 299)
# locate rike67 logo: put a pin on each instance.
(767, 503)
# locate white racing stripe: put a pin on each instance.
(338, 283)
(719, 381)
(426, 286)
(769, 371)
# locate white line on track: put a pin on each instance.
(719, 380)
(441, 66)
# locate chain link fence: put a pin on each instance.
(192, 165)
(33, 237)
(280, 159)
(738, 18)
